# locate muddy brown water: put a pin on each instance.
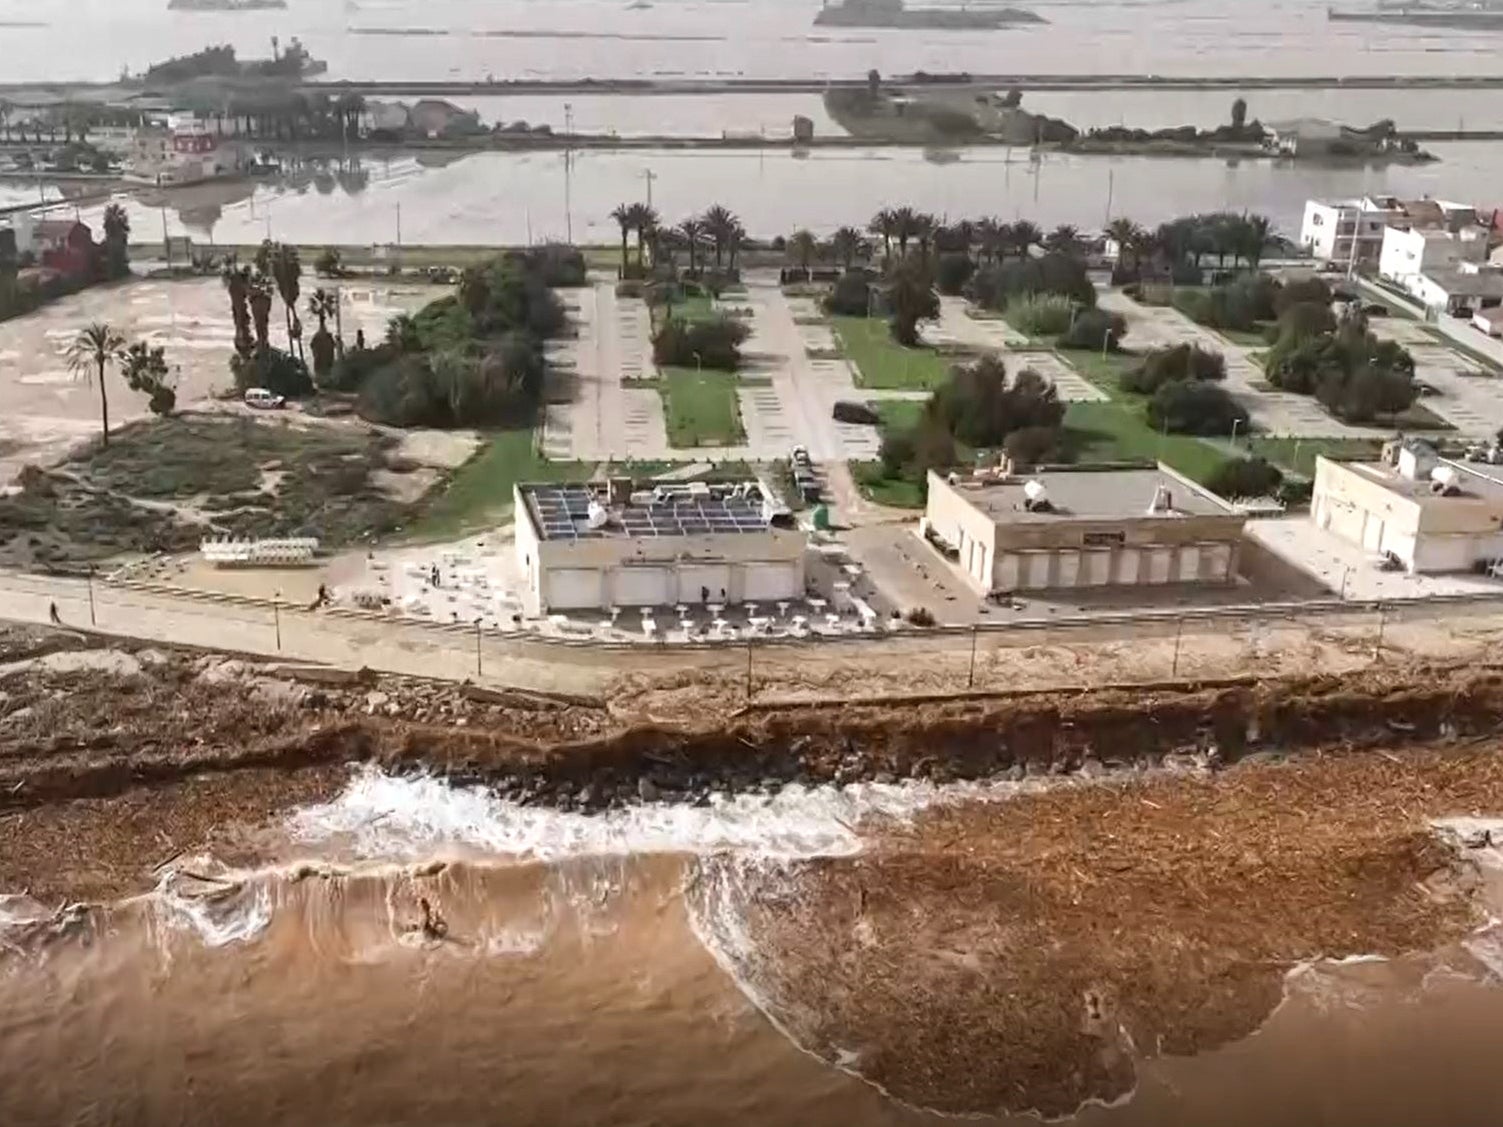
(618, 990)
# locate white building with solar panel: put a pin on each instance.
(592, 546)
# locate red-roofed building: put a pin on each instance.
(66, 246)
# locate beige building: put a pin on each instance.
(599, 545)
(1428, 513)
(1083, 528)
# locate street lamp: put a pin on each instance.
(1235, 424)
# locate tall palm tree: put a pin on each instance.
(721, 225)
(624, 216)
(259, 289)
(802, 245)
(989, 238)
(1127, 235)
(645, 222)
(693, 232)
(236, 279)
(1026, 235)
(91, 352)
(924, 228)
(905, 227)
(1255, 232)
(323, 304)
(846, 244)
(885, 224)
(734, 241)
(1064, 239)
(282, 263)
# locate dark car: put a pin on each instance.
(847, 411)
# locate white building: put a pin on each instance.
(592, 546)
(1469, 286)
(1083, 528)
(183, 151)
(1348, 232)
(1429, 513)
(1409, 252)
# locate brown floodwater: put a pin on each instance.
(625, 989)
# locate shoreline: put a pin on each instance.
(619, 87)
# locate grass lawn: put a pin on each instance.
(1297, 455)
(1103, 371)
(1250, 338)
(895, 492)
(701, 408)
(883, 363)
(1117, 432)
(479, 494)
(898, 414)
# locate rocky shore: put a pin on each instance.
(122, 754)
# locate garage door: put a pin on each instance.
(770, 582)
(574, 588)
(643, 587)
(1189, 563)
(695, 579)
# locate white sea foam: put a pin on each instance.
(381, 816)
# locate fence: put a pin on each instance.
(1124, 648)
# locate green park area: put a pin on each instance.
(701, 408)
(882, 362)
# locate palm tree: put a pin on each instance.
(282, 263)
(803, 245)
(846, 244)
(624, 216)
(93, 350)
(1127, 235)
(116, 241)
(989, 238)
(905, 226)
(734, 242)
(323, 304)
(1064, 239)
(885, 224)
(693, 232)
(1255, 232)
(924, 228)
(645, 222)
(1025, 235)
(236, 279)
(721, 224)
(259, 289)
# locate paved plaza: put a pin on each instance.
(791, 379)
(1468, 395)
(1273, 412)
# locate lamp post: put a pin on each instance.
(276, 616)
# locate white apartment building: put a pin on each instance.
(1348, 232)
(1409, 254)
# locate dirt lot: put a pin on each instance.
(164, 484)
(44, 410)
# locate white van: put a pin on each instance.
(262, 400)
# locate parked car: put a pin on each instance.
(847, 411)
(263, 400)
(1375, 309)
(801, 457)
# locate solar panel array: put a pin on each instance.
(562, 512)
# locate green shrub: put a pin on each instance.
(995, 285)
(1194, 407)
(1094, 329)
(279, 372)
(953, 272)
(1179, 363)
(1040, 315)
(851, 296)
(1245, 477)
(712, 343)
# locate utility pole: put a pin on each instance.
(649, 175)
(399, 223)
(1179, 636)
(93, 618)
(1111, 186)
(477, 647)
(569, 173)
(748, 670)
(970, 682)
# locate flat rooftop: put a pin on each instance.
(1470, 482)
(562, 512)
(1091, 495)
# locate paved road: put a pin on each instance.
(1039, 654)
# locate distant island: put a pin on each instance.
(1462, 17)
(224, 5)
(893, 13)
(292, 64)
